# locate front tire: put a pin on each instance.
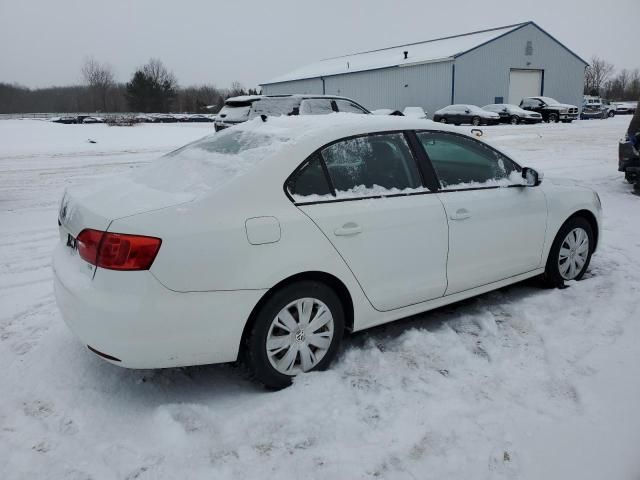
(298, 329)
(475, 121)
(570, 252)
(443, 120)
(553, 118)
(514, 120)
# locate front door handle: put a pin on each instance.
(461, 214)
(349, 228)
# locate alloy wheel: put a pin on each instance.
(574, 252)
(299, 336)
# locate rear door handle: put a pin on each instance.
(349, 228)
(461, 214)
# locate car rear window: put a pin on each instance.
(211, 162)
(237, 112)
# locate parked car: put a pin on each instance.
(66, 120)
(164, 118)
(625, 108)
(252, 243)
(609, 107)
(551, 110)
(513, 114)
(459, 114)
(240, 109)
(592, 107)
(92, 120)
(415, 112)
(197, 118)
(143, 118)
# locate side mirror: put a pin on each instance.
(467, 111)
(532, 178)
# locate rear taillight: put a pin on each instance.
(117, 251)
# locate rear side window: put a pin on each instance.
(462, 162)
(371, 165)
(275, 106)
(316, 106)
(309, 180)
(347, 106)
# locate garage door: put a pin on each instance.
(524, 83)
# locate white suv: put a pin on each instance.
(240, 109)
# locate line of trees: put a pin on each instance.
(152, 88)
(601, 80)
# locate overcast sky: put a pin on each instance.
(43, 42)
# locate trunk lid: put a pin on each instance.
(95, 207)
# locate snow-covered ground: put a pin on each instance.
(520, 383)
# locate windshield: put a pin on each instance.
(549, 100)
(211, 162)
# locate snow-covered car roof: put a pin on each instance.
(269, 149)
(300, 96)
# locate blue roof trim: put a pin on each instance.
(518, 28)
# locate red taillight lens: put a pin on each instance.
(88, 242)
(118, 251)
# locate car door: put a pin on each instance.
(390, 230)
(496, 225)
(453, 114)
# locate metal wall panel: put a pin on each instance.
(427, 85)
(483, 73)
(311, 85)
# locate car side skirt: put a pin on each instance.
(446, 300)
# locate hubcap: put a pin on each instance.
(299, 336)
(574, 252)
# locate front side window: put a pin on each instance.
(347, 106)
(371, 165)
(462, 162)
(316, 106)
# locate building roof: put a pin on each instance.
(428, 51)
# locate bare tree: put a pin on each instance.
(100, 80)
(596, 75)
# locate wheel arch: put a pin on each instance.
(589, 216)
(326, 278)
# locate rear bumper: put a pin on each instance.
(131, 317)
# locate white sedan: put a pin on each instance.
(269, 240)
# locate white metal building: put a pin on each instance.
(499, 65)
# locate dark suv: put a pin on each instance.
(240, 109)
(551, 110)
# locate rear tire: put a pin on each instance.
(475, 121)
(569, 258)
(553, 118)
(443, 120)
(283, 343)
(514, 120)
